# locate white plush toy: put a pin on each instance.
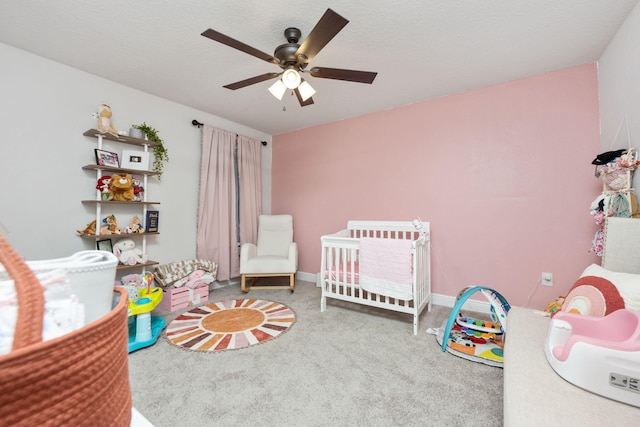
(125, 250)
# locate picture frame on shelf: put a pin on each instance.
(104, 245)
(136, 160)
(107, 158)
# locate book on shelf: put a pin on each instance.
(151, 223)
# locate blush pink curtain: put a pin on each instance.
(217, 224)
(249, 188)
(230, 201)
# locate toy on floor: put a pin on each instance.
(144, 329)
(474, 339)
(598, 354)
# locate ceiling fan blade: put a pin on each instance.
(250, 81)
(221, 38)
(309, 100)
(327, 27)
(340, 74)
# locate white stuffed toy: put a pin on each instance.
(127, 253)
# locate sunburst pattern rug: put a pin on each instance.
(230, 325)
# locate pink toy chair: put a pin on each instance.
(599, 354)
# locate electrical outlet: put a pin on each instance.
(547, 279)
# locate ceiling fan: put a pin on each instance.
(293, 58)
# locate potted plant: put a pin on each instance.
(160, 152)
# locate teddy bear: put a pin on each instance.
(104, 120)
(125, 250)
(121, 187)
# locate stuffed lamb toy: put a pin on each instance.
(127, 253)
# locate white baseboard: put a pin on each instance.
(469, 305)
(438, 299)
(224, 283)
(308, 277)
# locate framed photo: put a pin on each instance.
(137, 160)
(106, 158)
(104, 245)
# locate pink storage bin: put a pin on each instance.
(177, 298)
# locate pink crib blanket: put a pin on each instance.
(386, 267)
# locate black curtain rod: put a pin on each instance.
(197, 123)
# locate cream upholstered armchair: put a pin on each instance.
(275, 254)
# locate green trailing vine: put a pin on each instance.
(160, 152)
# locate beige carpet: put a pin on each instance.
(348, 366)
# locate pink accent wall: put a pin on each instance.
(503, 174)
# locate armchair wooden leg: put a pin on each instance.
(292, 281)
(243, 284)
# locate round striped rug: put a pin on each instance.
(230, 325)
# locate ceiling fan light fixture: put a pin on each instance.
(291, 78)
(305, 90)
(278, 89)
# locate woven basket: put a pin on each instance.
(78, 379)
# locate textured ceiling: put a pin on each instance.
(421, 49)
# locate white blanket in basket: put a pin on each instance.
(386, 267)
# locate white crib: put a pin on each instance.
(339, 273)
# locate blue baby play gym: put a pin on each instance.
(474, 339)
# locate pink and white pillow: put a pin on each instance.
(627, 284)
(593, 296)
(599, 292)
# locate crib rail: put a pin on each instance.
(339, 266)
(386, 229)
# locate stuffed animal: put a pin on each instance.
(125, 250)
(90, 229)
(110, 225)
(138, 190)
(121, 187)
(134, 226)
(103, 187)
(104, 120)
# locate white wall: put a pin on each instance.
(44, 109)
(619, 86)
